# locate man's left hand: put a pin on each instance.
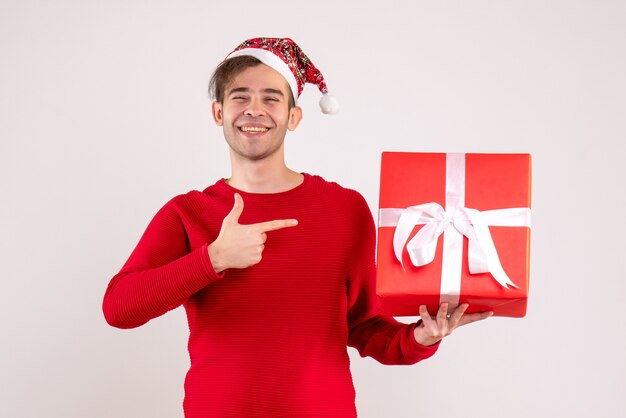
(433, 329)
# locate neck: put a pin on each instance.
(267, 175)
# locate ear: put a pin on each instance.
(218, 116)
(295, 116)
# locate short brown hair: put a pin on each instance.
(229, 69)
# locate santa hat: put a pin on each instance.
(286, 57)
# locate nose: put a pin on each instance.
(255, 108)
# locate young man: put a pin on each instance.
(275, 268)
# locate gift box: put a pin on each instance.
(454, 228)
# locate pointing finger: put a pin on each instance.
(276, 224)
(235, 212)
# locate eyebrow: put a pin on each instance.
(273, 91)
(246, 90)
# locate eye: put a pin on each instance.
(238, 98)
(271, 99)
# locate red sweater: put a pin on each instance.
(269, 340)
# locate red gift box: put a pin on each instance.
(454, 228)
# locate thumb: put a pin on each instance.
(235, 212)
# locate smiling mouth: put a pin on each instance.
(253, 129)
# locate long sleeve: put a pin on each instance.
(160, 274)
(371, 333)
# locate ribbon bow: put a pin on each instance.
(472, 223)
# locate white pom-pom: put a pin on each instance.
(329, 104)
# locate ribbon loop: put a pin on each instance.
(422, 250)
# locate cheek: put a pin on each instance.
(229, 116)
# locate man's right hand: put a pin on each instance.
(240, 246)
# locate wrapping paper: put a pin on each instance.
(454, 228)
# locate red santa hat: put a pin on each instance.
(286, 57)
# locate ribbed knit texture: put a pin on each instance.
(269, 340)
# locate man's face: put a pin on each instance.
(255, 113)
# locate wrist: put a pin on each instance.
(426, 342)
(422, 339)
(214, 256)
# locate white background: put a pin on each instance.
(104, 116)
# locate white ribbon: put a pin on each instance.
(471, 223)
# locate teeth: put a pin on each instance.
(253, 129)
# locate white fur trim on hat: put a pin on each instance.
(271, 60)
